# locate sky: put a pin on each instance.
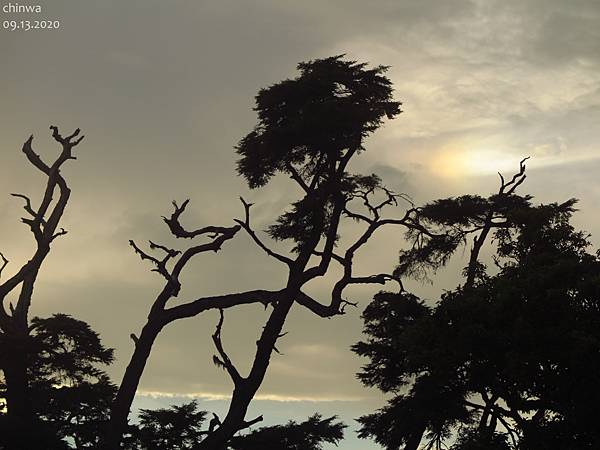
(164, 90)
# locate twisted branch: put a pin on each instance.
(515, 181)
(42, 222)
(179, 231)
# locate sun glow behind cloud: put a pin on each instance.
(459, 162)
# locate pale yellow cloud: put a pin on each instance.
(259, 397)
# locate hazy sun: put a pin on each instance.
(460, 162)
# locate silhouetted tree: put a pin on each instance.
(311, 434)
(309, 129)
(177, 427)
(43, 221)
(70, 394)
(473, 439)
(180, 427)
(510, 359)
(170, 267)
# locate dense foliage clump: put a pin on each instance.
(510, 361)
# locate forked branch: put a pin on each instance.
(43, 222)
(218, 235)
(245, 224)
(506, 189)
(223, 359)
(179, 231)
(161, 264)
(516, 180)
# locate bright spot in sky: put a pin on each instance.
(456, 162)
(459, 162)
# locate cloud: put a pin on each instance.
(206, 396)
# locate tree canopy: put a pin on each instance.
(69, 391)
(509, 362)
(311, 122)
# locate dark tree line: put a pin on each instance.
(71, 398)
(510, 359)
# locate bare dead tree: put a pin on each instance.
(43, 222)
(169, 266)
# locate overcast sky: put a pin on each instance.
(164, 90)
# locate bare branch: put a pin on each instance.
(318, 308)
(380, 278)
(60, 232)
(161, 265)
(357, 216)
(516, 180)
(224, 361)
(330, 239)
(245, 224)
(68, 141)
(28, 208)
(195, 307)
(338, 304)
(224, 234)
(4, 263)
(248, 424)
(374, 209)
(169, 251)
(143, 255)
(33, 157)
(180, 232)
(43, 222)
(334, 256)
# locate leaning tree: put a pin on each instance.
(309, 129)
(43, 222)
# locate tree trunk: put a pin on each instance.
(244, 392)
(122, 403)
(413, 442)
(18, 402)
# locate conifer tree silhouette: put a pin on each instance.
(510, 358)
